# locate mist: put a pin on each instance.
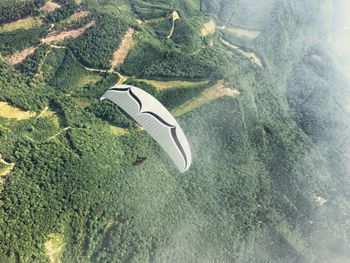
(332, 245)
(340, 37)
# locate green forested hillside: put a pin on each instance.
(270, 175)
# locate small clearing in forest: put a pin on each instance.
(49, 7)
(11, 112)
(77, 16)
(25, 23)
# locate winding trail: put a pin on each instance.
(40, 73)
(59, 133)
(217, 91)
(175, 16)
(250, 55)
(121, 80)
(22, 55)
(118, 58)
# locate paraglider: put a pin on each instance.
(148, 112)
(139, 160)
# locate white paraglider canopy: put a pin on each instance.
(155, 119)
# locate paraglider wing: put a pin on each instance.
(155, 119)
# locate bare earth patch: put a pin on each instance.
(215, 92)
(245, 33)
(49, 7)
(25, 23)
(22, 55)
(67, 34)
(172, 84)
(54, 247)
(11, 112)
(123, 50)
(78, 15)
(250, 55)
(208, 28)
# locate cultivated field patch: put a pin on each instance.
(77, 16)
(25, 23)
(172, 84)
(215, 92)
(67, 34)
(11, 112)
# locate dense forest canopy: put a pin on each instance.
(256, 87)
